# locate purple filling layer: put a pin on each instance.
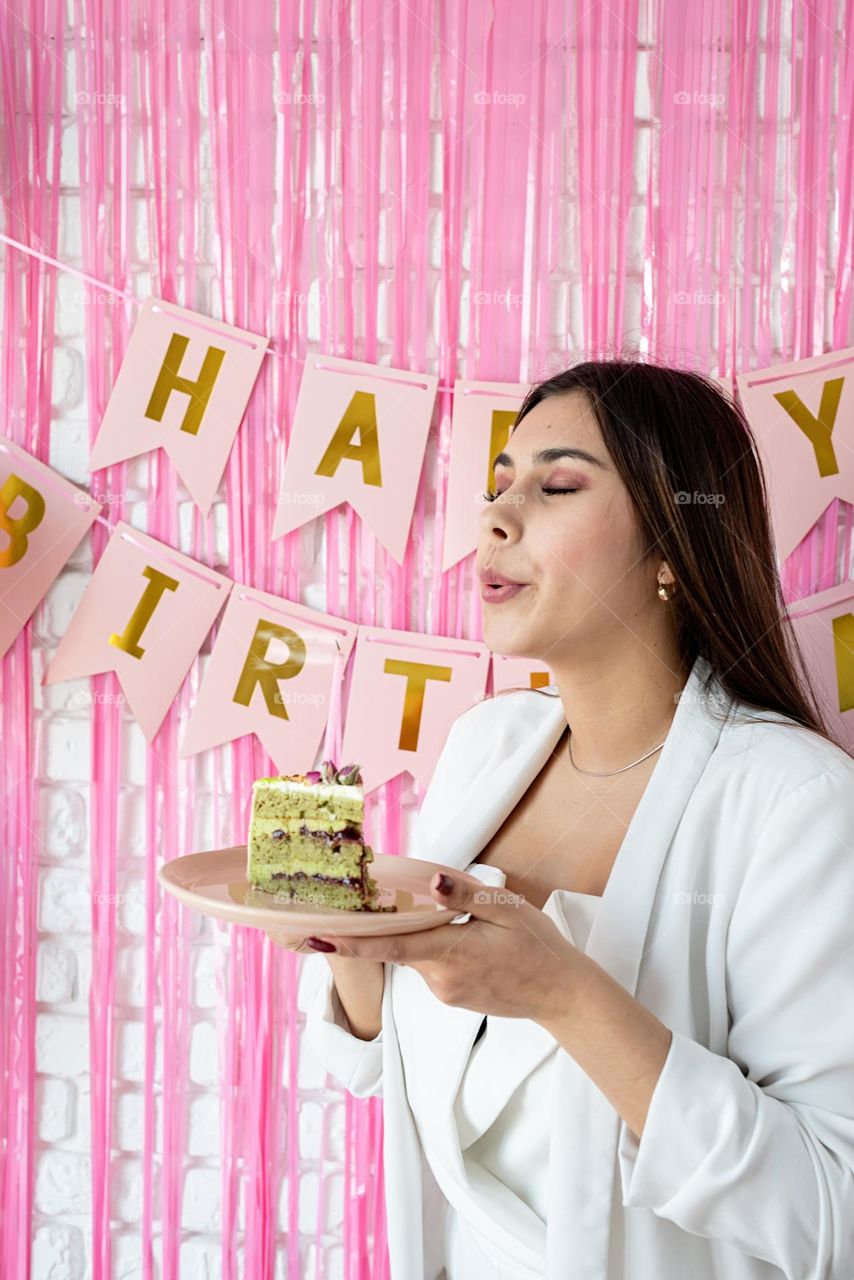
(352, 834)
(347, 833)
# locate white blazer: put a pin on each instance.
(729, 912)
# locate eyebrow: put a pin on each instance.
(551, 455)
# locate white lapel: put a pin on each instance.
(436, 1038)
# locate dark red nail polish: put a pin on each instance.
(445, 884)
(319, 945)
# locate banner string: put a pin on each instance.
(128, 296)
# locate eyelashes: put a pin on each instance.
(491, 497)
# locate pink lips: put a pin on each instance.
(494, 595)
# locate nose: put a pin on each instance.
(500, 520)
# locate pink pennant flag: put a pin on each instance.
(358, 436)
(405, 693)
(484, 413)
(271, 674)
(184, 384)
(144, 615)
(802, 415)
(824, 628)
(42, 519)
(510, 672)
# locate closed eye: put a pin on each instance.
(490, 497)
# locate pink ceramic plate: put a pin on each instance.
(215, 883)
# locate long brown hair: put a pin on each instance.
(674, 434)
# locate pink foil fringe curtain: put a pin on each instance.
(487, 190)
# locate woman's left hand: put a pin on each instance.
(508, 960)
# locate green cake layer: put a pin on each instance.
(305, 839)
(334, 806)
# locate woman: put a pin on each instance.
(633, 1058)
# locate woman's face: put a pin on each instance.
(580, 553)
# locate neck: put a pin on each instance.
(619, 709)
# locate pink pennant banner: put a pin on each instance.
(484, 413)
(405, 693)
(183, 385)
(359, 435)
(515, 673)
(271, 674)
(144, 615)
(802, 415)
(42, 519)
(824, 627)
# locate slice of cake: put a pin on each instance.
(305, 839)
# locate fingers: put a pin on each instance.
(467, 894)
(289, 943)
(399, 948)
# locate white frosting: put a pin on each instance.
(319, 788)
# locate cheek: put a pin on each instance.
(594, 551)
(619, 537)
